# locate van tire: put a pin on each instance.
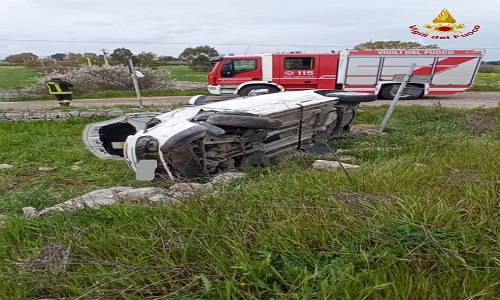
(352, 97)
(247, 89)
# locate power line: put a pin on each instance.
(190, 43)
(164, 43)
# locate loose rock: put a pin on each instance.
(331, 165)
(151, 194)
(183, 190)
(98, 198)
(92, 200)
(29, 212)
(2, 219)
(46, 169)
(226, 177)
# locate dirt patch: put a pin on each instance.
(360, 127)
(480, 123)
(28, 176)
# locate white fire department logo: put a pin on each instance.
(289, 73)
(444, 23)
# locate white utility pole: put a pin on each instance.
(133, 75)
(396, 98)
(106, 63)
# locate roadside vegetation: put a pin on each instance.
(16, 77)
(184, 73)
(418, 220)
(94, 82)
(487, 82)
(14, 81)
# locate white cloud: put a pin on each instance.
(167, 28)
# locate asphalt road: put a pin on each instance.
(461, 100)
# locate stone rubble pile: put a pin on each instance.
(109, 196)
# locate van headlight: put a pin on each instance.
(146, 145)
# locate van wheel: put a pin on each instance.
(350, 97)
(246, 90)
(411, 92)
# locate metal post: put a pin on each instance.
(134, 80)
(106, 63)
(396, 98)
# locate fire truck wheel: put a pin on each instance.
(244, 121)
(389, 92)
(352, 97)
(246, 90)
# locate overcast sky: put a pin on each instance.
(234, 26)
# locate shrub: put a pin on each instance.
(486, 68)
(91, 79)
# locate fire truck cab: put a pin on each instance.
(437, 72)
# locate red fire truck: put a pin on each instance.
(437, 72)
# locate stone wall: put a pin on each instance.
(32, 115)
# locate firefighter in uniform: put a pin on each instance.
(60, 89)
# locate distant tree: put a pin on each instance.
(199, 57)
(58, 56)
(146, 59)
(495, 62)
(393, 45)
(167, 58)
(21, 58)
(119, 56)
(74, 56)
(489, 67)
(95, 60)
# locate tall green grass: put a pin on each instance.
(184, 73)
(487, 82)
(14, 77)
(419, 220)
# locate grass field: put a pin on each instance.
(15, 77)
(418, 220)
(487, 82)
(183, 73)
